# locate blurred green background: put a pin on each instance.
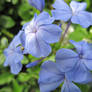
(13, 14)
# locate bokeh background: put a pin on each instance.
(13, 14)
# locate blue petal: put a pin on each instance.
(80, 17)
(12, 57)
(50, 77)
(13, 60)
(45, 48)
(88, 60)
(49, 87)
(66, 59)
(79, 73)
(60, 4)
(82, 47)
(50, 33)
(78, 45)
(63, 15)
(44, 18)
(69, 87)
(77, 6)
(16, 40)
(32, 46)
(34, 63)
(38, 4)
(16, 67)
(62, 12)
(36, 46)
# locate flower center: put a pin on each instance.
(81, 56)
(34, 30)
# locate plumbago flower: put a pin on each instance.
(39, 33)
(50, 77)
(38, 4)
(77, 64)
(76, 13)
(14, 55)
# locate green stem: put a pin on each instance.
(66, 30)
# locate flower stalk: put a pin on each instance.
(65, 32)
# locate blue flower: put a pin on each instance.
(14, 55)
(38, 4)
(39, 33)
(77, 64)
(51, 77)
(76, 13)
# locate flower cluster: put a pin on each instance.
(35, 37)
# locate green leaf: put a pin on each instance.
(24, 11)
(7, 33)
(6, 89)
(17, 87)
(4, 42)
(25, 60)
(14, 2)
(5, 78)
(79, 34)
(6, 21)
(2, 58)
(23, 77)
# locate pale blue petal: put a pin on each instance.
(62, 11)
(16, 67)
(38, 4)
(88, 56)
(48, 20)
(66, 59)
(80, 17)
(13, 60)
(49, 87)
(36, 46)
(50, 77)
(88, 61)
(79, 73)
(34, 63)
(60, 4)
(79, 46)
(32, 46)
(82, 48)
(44, 18)
(69, 87)
(43, 3)
(50, 72)
(6, 52)
(22, 39)
(63, 15)
(16, 41)
(12, 57)
(50, 33)
(44, 47)
(77, 6)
